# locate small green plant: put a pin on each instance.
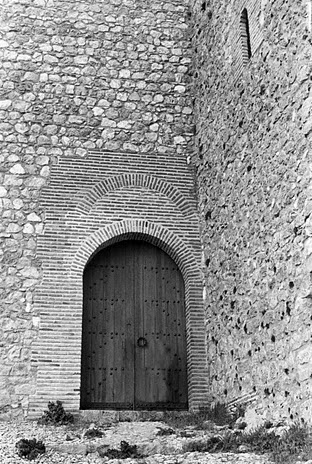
(215, 444)
(93, 433)
(281, 449)
(295, 442)
(126, 451)
(260, 440)
(56, 415)
(219, 414)
(29, 449)
(162, 432)
(284, 449)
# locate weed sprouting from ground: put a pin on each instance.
(285, 449)
(162, 432)
(295, 443)
(56, 415)
(126, 451)
(29, 449)
(215, 444)
(93, 433)
(219, 414)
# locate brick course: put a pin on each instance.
(114, 197)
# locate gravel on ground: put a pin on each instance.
(67, 445)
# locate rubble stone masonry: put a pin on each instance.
(253, 157)
(96, 131)
(97, 145)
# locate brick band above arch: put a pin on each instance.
(91, 203)
(90, 197)
(140, 229)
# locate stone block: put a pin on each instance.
(5, 104)
(3, 192)
(70, 448)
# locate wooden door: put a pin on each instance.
(133, 339)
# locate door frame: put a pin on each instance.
(184, 257)
(133, 251)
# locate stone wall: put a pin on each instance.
(74, 77)
(83, 81)
(80, 76)
(253, 161)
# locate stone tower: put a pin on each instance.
(182, 125)
(96, 136)
(252, 77)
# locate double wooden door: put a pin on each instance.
(133, 338)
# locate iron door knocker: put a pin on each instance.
(142, 342)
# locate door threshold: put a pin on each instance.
(104, 416)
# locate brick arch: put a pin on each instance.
(185, 258)
(100, 189)
(141, 230)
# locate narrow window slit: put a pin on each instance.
(245, 36)
(309, 15)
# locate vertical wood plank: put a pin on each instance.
(137, 249)
(129, 305)
(131, 290)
